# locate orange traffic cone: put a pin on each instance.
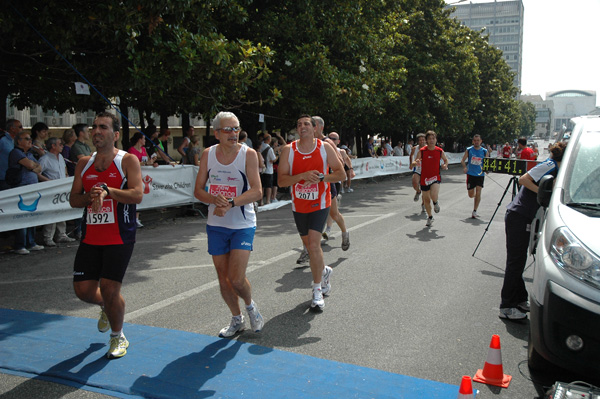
(466, 388)
(492, 373)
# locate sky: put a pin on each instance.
(561, 46)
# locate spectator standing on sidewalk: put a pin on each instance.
(68, 138)
(80, 148)
(54, 168)
(7, 143)
(21, 159)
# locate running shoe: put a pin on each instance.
(524, 306)
(303, 256)
(416, 198)
(317, 299)
(21, 251)
(423, 210)
(256, 320)
(345, 241)
(236, 325)
(325, 284)
(349, 190)
(474, 215)
(118, 347)
(49, 243)
(36, 248)
(429, 221)
(436, 207)
(326, 233)
(103, 323)
(139, 224)
(343, 190)
(512, 314)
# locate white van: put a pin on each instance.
(565, 296)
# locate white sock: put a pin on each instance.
(251, 306)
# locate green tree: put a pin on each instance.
(527, 119)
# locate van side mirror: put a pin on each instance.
(545, 190)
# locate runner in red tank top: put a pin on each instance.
(108, 184)
(429, 159)
(304, 165)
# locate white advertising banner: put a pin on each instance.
(164, 186)
(48, 202)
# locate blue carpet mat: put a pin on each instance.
(164, 363)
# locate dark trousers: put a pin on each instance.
(517, 242)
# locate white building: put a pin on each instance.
(569, 104)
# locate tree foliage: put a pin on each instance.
(527, 119)
(391, 67)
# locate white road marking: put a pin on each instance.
(213, 284)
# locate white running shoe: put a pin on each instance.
(21, 251)
(349, 190)
(236, 325)
(139, 224)
(304, 257)
(436, 207)
(416, 198)
(256, 320)
(118, 347)
(474, 215)
(429, 221)
(36, 248)
(317, 299)
(325, 284)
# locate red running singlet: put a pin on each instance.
(115, 223)
(311, 197)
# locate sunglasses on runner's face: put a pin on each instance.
(231, 129)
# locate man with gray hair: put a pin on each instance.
(233, 186)
(54, 167)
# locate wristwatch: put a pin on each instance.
(230, 200)
(105, 188)
(321, 177)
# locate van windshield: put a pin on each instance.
(583, 173)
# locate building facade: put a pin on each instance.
(502, 22)
(544, 119)
(569, 104)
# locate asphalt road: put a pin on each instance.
(405, 298)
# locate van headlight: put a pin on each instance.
(573, 257)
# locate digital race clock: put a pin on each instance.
(515, 167)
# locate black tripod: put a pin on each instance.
(514, 182)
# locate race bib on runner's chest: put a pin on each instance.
(308, 192)
(223, 189)
(476, 161)
(105, 215)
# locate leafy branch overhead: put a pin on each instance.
(394, 67)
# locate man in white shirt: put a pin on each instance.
(54, 167)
